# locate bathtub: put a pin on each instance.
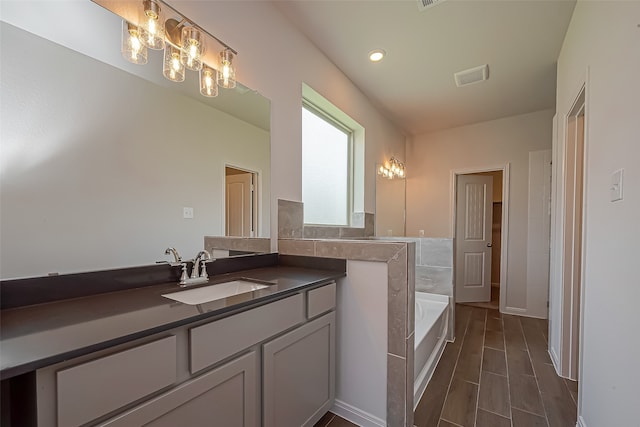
(432, 320)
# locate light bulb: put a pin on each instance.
(227, 75)
(132, 48)
(376, 55)
(192, 48)
(208, 85)
(152, 27)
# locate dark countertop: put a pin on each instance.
(39, 335)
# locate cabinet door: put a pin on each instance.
(224, 397)
(299, 374)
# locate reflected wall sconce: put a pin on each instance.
(393, 169)
(153, 24)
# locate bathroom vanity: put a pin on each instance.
(134, 357)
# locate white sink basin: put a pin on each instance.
(214, 292)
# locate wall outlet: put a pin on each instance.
(421, 233)
(187, 213)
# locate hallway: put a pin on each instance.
(497, 373)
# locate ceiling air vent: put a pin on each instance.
(426, 4)
(472, 75)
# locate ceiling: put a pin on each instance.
(414, 85)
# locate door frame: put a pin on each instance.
(257, 197)
(566, 359)
(504, 240)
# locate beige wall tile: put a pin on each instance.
(290, 219)
(296, 247)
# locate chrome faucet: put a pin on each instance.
(176, 255)
(198, 271)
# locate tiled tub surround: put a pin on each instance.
(400, 262)
(434, 269)
(434, 263)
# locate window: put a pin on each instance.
(332, 162)
(327, 147)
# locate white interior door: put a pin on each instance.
(239, 202)
(474, 210)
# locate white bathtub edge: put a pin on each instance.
(421, 382)
(432, 297)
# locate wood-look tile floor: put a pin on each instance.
(332, 420)
(497, 373)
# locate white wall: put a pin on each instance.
(275, 59)
(431, 159)
(97, 164)
(602, 42)
(361, 359)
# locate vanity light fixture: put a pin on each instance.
(152, 25)
(132, 48)
(186, 45)
(392, 169)
(227, 74)
(376, 55)
(208, 85)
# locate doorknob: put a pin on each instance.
(489, 245)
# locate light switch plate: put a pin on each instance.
(616, 185)
(187, 213)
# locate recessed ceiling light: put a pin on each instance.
(376, 55)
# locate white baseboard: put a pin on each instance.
(515, 310)
(356, 416)
(581, 422)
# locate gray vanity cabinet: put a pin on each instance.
(299, 374)
(226, 397)
(272, 365)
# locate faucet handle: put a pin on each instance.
(184, 276)
(203, 271)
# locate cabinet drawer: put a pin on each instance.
(93, 389)
(321, 300)
(218, 340)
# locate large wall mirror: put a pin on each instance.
(100, 157)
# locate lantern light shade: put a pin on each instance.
(208, 83)
(152, 25)
(172, 67)
(192, 48)
(227, 71)
(132, 48)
